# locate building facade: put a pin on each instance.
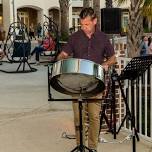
(32, 12)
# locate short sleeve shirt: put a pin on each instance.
(96, 48)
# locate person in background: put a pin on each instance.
(91, 44)
(2, 34)
(31, 32)
(39, 30)
(2, 39)
(144, 46)
(149, 45)
(1, 54)
(48, 44)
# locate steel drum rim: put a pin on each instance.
(101, 67)
(54, 81)
(80, 60)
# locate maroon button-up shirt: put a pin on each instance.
(96, 48)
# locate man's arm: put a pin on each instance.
(62, 55)
(109, 62)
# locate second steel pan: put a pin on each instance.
(77, 77)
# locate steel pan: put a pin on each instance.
(77, 77)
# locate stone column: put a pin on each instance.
(70, 14)
(7, 14)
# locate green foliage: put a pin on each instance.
(146, 30)
(64, 37)
(120, 1)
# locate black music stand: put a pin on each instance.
(135, 68)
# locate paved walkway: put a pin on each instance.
(29, 123)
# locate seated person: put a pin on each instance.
(47, 44)
(1, 54)
(144, 46)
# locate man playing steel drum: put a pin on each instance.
(91, 44)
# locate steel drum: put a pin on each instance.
(77, 77)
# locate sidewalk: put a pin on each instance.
(31, 123)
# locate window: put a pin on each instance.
(125, 21)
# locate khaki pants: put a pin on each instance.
(93, 109)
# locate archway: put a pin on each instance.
(54, 13)
(30, 16)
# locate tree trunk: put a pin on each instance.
(96, 7)
(135, 28)
(109, 4)
(86, 3)
(64, 8)
(149, 23)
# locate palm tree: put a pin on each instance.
(64, 8)
(135, 26)
(147, 12)
(96, 7)
(109, 4)
(86, 3)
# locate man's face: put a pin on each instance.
(145, 38)
(88, 25)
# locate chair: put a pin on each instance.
(52, 27)
(21, 49)
(17, 47)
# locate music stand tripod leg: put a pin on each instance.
(113, 105)
(81, 147)
(49, 77)
(49, 90)
(134, 133)
(104, 117)
(131, 115)
(128, 112)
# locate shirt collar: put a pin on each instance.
(94, 34)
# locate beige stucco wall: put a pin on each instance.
(79, 3)
(6, 14)
(41, 5)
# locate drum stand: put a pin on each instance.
(80, 100)
(81, 147)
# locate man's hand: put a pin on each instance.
(111, 61)
(105, 67)
(62, 55)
